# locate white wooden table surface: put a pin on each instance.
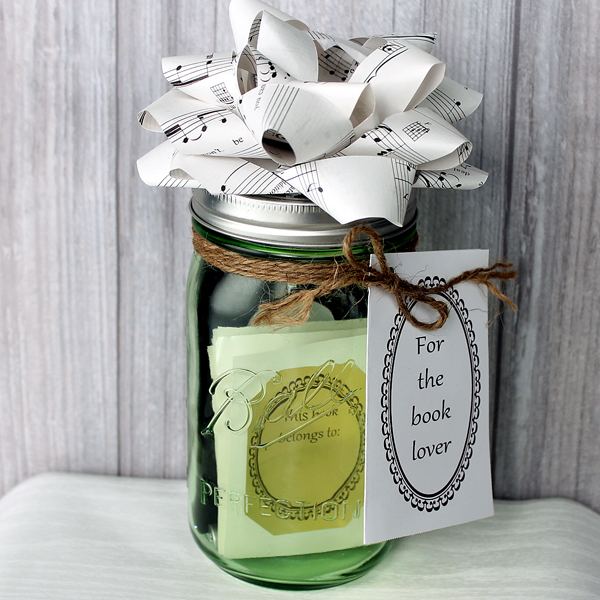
(67, 537)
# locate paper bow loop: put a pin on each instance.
(321, 126)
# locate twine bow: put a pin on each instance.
(298, 304)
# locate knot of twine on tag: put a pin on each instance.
(325, 278)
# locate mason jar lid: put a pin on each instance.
(292, 221)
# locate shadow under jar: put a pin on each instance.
(276, 415)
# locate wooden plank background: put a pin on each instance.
(93, 263)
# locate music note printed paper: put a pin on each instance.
(352, 125)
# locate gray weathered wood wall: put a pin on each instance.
(93, 263)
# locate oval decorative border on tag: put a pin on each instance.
(417, 499)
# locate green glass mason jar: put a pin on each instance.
(277, 414)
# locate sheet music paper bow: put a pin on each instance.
(353, 125)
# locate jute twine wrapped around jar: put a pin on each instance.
(324, 278)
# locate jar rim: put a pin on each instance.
(289, 221)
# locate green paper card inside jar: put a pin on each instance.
(290, 442)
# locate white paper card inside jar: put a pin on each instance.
(427, 436)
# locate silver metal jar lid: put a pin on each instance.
(281, 220)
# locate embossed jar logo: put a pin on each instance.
(306, 449)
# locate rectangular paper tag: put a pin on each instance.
(427, 462)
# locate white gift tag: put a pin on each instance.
(427, 439)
